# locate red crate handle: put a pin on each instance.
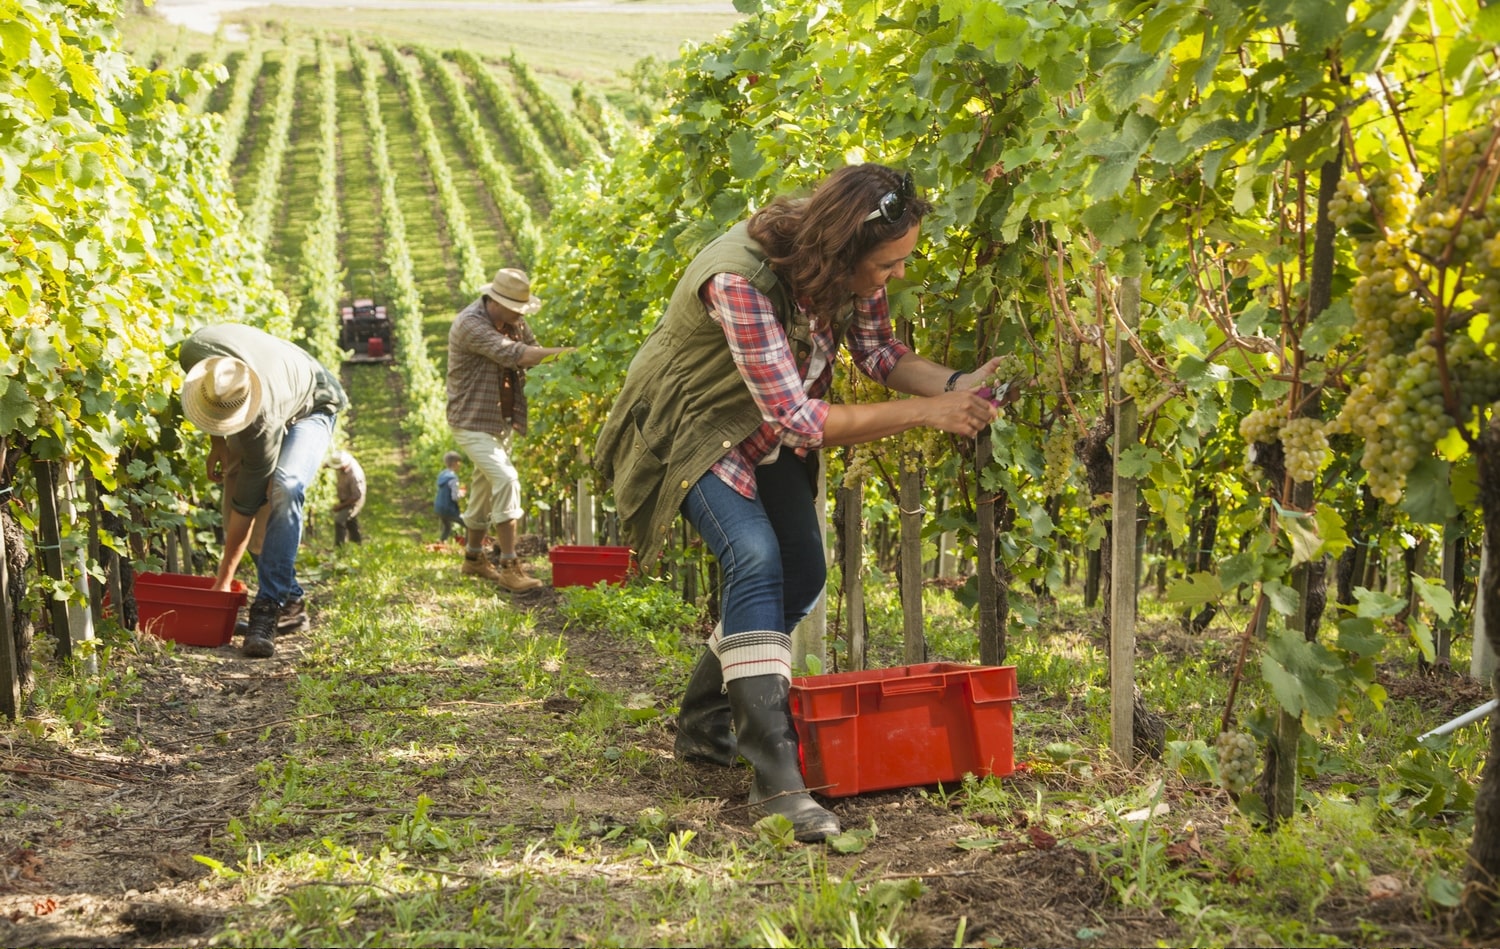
(911, 685)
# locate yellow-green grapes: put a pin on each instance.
(1238, 760)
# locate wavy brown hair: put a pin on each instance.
(815, 243)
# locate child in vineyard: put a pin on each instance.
(721, 416)
(490, 347)
(269, 409)
(449, 491)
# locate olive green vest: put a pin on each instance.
(684, 404)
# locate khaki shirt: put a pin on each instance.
(294, 385)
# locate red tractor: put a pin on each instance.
(365, 330)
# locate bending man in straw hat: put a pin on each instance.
(490, 347)
(350, 487)
(269, 409)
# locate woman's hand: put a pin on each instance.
(961, 412)
(979, 377)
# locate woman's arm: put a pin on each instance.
(959, 413)
(917, 375)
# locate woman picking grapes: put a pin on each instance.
(721, 415)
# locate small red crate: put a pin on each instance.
(904, 727)
(183, 608)
(584, 566)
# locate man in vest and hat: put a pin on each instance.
(269, 409)
(490, 347)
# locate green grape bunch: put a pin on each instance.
(1426, 307)
(1305, 444)
(1239, 760)
(1138, 381)
(1057, 452)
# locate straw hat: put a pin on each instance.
(221, 395)
(511, 288)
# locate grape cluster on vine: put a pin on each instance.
(1138, 381)
(1239, 760)
(1416, 251)
(1057, 453)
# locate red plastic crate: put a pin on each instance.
(584, 566)
(904, 727)
(183, 608)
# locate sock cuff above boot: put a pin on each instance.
(754, 653)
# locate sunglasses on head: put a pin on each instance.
(892, 205)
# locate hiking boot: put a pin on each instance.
(260, 634)
(293, 617)
(481, 567)
(514, 579)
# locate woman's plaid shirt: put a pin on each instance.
(794, 412)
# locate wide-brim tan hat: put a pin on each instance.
(511, 288)
(221, 395)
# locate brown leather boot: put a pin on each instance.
(481, 567)
(514, 579)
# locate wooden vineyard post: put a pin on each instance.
(171, 541)
(10, 669)
(95, 588)
(810, 638)
(991, 632)
(852, 557)
(910, 493)
(50, 547)
(80, 621)
(583, 509)
(1122, 550)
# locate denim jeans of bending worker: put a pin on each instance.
(302, 452)
(770, 548)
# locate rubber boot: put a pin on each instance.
(768, 740)
(705, 727)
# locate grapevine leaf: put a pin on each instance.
(1360, 636)
(1195, 590)
(1283, 599)
(1452, 445)
(745, 157)
(1192, 370)
(1252, 319)
(1374, 604)
(1303, 534)
(1331, 529)
(1137, 462)
(1444, 890)
(1240, 568)
(16, 409)
(1434, 595)
(1421, 634)
(1331, 326)
(1487, 23)
(1121, 156)
(1296, 670)
(1428, 498)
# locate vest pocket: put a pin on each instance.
(638, 470)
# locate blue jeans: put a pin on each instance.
(769, 549)
(303, 449)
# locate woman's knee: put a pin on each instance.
(750, 555)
